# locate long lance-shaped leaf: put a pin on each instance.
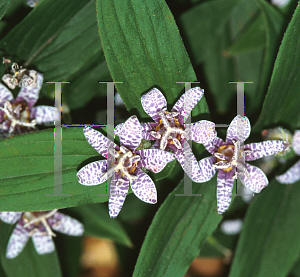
(27, 171)
(178, 231)
(270, 243)
(143, 49)
(283, 94)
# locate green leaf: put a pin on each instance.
(28, 263)
(97, 222)
(296, 269)
(26, 171)
(4, 6)
(203, 25)
(273, 32)
(143, 49)
(251, 39)
(283, 93)
(178, 232)
(270, 243)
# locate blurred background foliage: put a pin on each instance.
(144, 44)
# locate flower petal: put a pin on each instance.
(147, 128)
(290, 176)
(207, 171)
(152, 102)
(131, 133)
(154, 159)
(144, 188)
(224, 190)
(93, 173)
(257, 179)
(66, 224)
(30, 94)
(17, 241)
(239, 129)
(43, 114)
(118, 192)
(203, 131)
(189, 163)
(43, 244)
(118, 129)
(154, 156)
(213, 146)
(265, 148)
(96, 140)
(296, 142)
(5, 95)
(194, 95)
(10, 217)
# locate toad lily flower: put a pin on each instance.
(169, 129)
(228, 157)
(18, 116)
(293, 174)
(126, 165)
(38, 225)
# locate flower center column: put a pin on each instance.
(188, 184)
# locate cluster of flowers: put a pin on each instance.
(17, 117)
(170, 133)
(126, 163)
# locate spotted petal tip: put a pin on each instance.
(153, 102)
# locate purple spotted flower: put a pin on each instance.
(293, 174)
(229, 157)
(19, 116)
(170, 131)
(38, 225)
(126, 165)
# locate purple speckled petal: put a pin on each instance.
(291, 176)
(30, 94)
(5, 95)
(213, 145)
(118, 129)
(155, 156)
(92, 174)
(203, 131)
(118, 192)
(257, 179)
(96, 140)
(192, 168)
(152, 102)
(43, 244)
(131, 133)
(263, 149)
(224, 189)
(146, 128)
(207, 171)
(155, 168)
(296, 142)
(17, 241)
(66, 224)
(44, 114)
(154, 159)
(10, 217)
(194, 94)
(239, 128)
(144, 188)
